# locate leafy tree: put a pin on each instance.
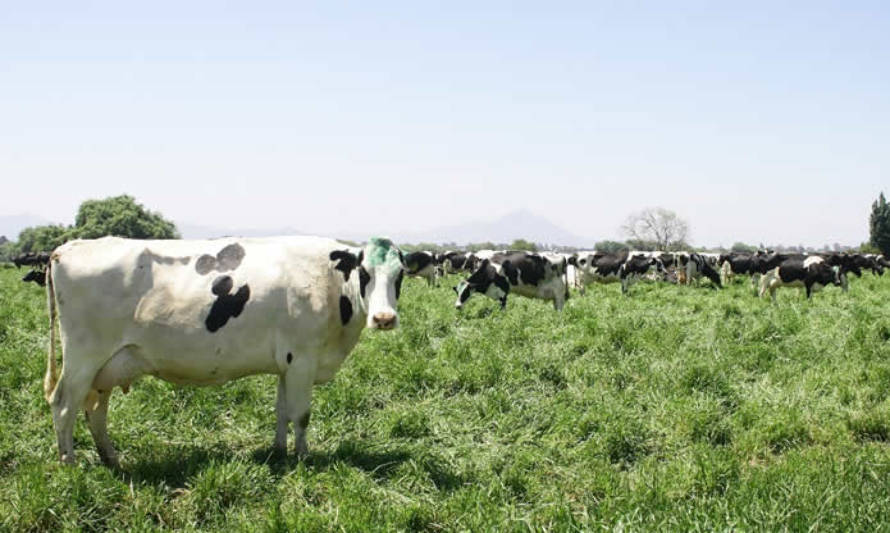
(610, 247)
(522, 244)
(41, 238)
(657, 225)
(121, 216)
(879, 224)
(742, 248)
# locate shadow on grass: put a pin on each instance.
(176, 464)
(379, 464)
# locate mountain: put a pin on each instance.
(12, 225)
(522, 224)
(195, 231)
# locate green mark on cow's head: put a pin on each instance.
(380, 251)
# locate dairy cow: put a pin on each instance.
(422, 265)
(524, 273)
(810, 272)
(695, 266)
(601, 267)
(207, 312)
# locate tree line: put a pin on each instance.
(650, 229)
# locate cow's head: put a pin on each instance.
(380, 267)
(486, 280)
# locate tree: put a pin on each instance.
(879, 225)
(522, 244)
(657, 225)
(121, 216)
(610, 247)
(742, 248)
(41, 238)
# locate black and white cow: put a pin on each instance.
(735, 263)
(422, 265)
(207, 312)
(602, 267)
(32, 259)
(524, 273)
(454, 262)
(811, 272)
(695, 266)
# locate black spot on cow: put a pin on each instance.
(346, 261)
(399, 283)
(363, 279)
(290, 357)
(222, 285)
(205, 264)
(345, 310)
(226, 305)
(304, 420)
(229, 258)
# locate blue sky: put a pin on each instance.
(762, 122)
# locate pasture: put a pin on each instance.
(673, 409)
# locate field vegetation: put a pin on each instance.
(673, 409)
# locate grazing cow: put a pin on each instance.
(422, 265)
(525, 273)
(32, 259)
(695, 266)
(453, 262)
(601, 267)
(207, 312)
(811, 272)
(735, 263)
(37, 276)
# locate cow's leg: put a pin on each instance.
(281, 418)
(68, 397)
(298, 380)
(96, 411)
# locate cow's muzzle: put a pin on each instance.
(384, 320)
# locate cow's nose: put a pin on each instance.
(385, 320)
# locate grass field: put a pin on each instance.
(674, 409)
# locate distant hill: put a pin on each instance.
(522, 224)
(194, 231)
(12, 225)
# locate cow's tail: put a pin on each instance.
(52, 373)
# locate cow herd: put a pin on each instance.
(549, 275)
(207, 312)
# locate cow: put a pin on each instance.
(32, 259)
(454, 262)
(207, 312)
(811, 272)
(37, 276)
(525, 273)
(601, 267)
(422, 265)
(735, 263)
(695, 266)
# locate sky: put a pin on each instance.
(755, 121)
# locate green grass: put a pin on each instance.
(674, 409)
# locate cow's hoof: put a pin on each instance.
(67, 458)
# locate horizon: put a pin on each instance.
(755, 123)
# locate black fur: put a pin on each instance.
(345, 310)
(226, 305)
(346, 261)
(229, 258)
